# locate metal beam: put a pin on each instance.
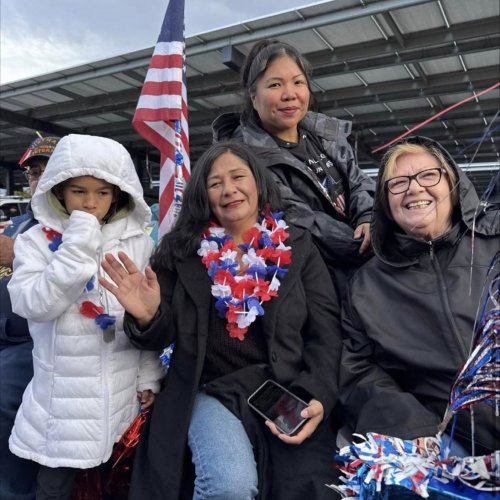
(394, 28)
(324, 63)
(387, 91)
(32, 123)
(232, 58)
(218, 44)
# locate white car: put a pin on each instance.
(11, 206)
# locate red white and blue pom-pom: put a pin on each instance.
(384, 467)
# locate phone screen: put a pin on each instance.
(279, 406)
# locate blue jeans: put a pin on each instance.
(17, 476)
(222, 453)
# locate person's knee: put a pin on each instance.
(221, 452)
(233, 487)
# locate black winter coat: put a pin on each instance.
(14, 329)
(305, 201)
(303, 340)
(409, 319)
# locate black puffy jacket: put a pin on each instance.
(409, 318)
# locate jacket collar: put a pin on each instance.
(228, 126)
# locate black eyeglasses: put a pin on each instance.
(425, 178)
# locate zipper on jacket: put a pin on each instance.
(110, 333)
(104, 358)
(431, 251)
(443, 292)
(105, 396)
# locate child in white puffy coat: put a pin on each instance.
(88, 379)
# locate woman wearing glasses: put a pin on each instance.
(410, 312)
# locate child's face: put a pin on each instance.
(88, 194)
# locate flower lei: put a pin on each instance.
(87, 308)
(239, 297)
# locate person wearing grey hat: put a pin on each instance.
(17, 476)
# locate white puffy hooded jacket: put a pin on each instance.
(83, 393)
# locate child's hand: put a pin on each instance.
(146, 398)
(138, 293)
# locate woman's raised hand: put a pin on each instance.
(138, 293)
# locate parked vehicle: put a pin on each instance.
(11, 206)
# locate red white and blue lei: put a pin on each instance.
(240, 293)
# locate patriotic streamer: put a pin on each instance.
(383, 467)
(479, 379)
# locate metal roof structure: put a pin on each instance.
(386, 65)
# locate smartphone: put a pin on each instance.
(277, 404)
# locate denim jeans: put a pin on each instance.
(17, 476)
(222, 453)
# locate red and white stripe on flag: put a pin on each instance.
(162, 102)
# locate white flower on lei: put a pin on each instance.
(207, 247)
(229, 255)
(247, 318)
(218, 232)
(281, 224)
(252, 259)
(274, 285)
(262, 227)
(219, 290)
(282, 246)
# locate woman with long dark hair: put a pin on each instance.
(245, 297)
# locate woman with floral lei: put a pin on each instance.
(245, 297)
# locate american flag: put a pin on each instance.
(161, 113)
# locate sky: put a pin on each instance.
(42, 36)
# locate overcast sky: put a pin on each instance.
(41, 36)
